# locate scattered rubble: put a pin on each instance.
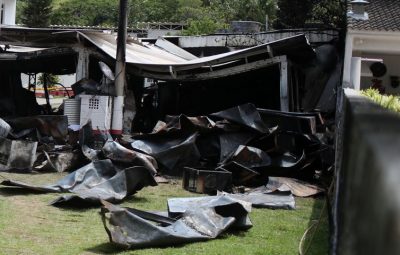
(96, 181)
(137, 229)
(17, 155)
(238, 154)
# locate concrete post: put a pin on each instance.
(356, 72)
(82, 68)
(347, 62)
(120, 74)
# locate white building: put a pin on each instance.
(373, 36)
(7, 12)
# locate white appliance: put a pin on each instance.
(98, 109)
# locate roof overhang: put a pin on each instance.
(384, 42)
(29, 60)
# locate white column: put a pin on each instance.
(9, 11)
(347, 62)
(82, 68)
(355, 72)
(120, 72)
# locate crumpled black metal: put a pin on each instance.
(118, 153)
(111, 149)
(246, 115)
(172, 153)
(258, 199)
(55, 126)
(134, 229)
(182, 140)
(5, 129)
(99, 180)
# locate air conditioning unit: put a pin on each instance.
(98, 109)
(72, 109)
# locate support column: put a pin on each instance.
(355, 72)
(82, 68)
(120, 74)
(347, 62)
(284, 83)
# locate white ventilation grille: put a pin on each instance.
(72, 109)
(94, 103)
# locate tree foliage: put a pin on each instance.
(252, 10)
(202, 16)
(213, 15)
(330, 12)
(36, 13)
(52, 80)
(86, 13)
(297, 13)
(203, 26)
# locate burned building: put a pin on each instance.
(164, 79)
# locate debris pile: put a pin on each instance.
(241, 146)
(111, 173)
(241, 157)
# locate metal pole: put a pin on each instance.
(120, 75)
(46, 92)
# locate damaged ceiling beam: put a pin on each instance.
(211, 74)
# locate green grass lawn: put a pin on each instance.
(29, 226)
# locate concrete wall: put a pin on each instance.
(9, 12)
(155, 33)
(249, 40)
(367, 200)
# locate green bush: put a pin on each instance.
(388, 101)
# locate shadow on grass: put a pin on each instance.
(106, 248)
(316, 241)
(14, 191)
(136, 199)
(110, 248)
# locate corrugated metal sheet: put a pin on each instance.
(163, 59)
(154, 59)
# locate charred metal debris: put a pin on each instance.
(248, 128)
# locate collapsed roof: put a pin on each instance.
(162, 60)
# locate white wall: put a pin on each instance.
(392, 63)
(155, 33)
(373, 44)
(9, 12)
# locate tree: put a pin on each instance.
(331, 13)
(86, 13)
(159, 10)
(52, 80)
(203, 26)
(36, 13)
(251, 10)
(296, 13)
(293, 13)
